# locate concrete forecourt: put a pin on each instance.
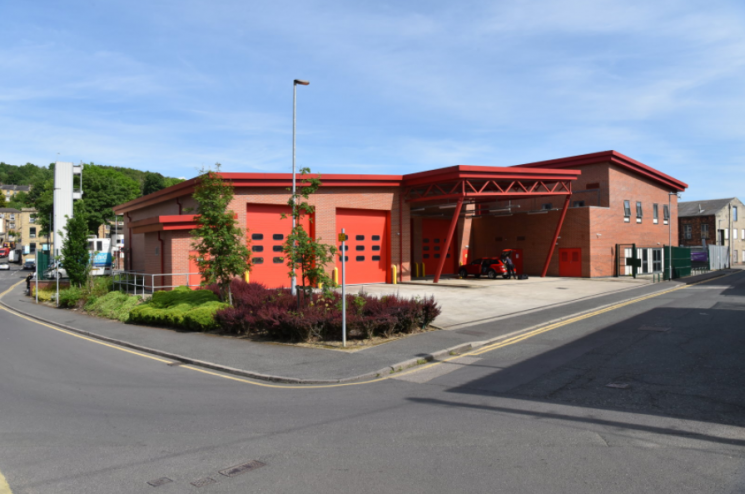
(532, 413)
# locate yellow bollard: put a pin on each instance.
(246, 276)
(393, 271)
(416, 270)
(424, 273)
(336, 276)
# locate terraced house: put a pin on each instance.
(714, 222)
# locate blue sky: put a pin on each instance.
(397, 87)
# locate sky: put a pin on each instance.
(395, 87)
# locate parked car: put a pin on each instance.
(489, 266)
(4, 251)
(29, 265)
(52, 271)
(5, 267)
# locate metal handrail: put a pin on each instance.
(136, 281)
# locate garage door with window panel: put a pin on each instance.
(434, 234)
(367, 254)
(267, 233)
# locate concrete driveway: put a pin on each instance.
(475, 301)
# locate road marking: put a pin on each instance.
(478, 351)
(4, 487)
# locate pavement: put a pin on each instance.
(294, 364)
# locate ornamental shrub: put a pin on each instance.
(274, 313)
(113, 305)
(70, 297)
(182, 308)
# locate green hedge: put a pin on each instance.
(192, 310)
(113, 305)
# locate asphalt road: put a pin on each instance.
(78, 416)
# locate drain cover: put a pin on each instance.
(203, 482)
(654, 328)
(618, 385)
(239, 469)
(160, 481)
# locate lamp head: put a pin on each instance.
(301, 82)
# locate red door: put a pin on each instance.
(267, 232)
(368, 245)
(570, 263)
(195, 279)
(517, 259)
(434, 234)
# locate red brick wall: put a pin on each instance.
(325, 200)
(696, 222)
(609, 222)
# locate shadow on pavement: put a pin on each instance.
(678, 362)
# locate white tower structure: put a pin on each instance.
(64, 194)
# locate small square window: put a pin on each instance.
(376, 238)
(437, 240)
(276, 248)
(547, 206)
(425, 240)
(376, 258)
(359, 247)
(359, 258)
(437, 256)
(257, 236)
(257, 260)
(359, 237)
(346, 258)
(375, 247)
(257, 248)
(278, 236)
(426, 256)
(278, 260)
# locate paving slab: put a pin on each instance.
(471, 301)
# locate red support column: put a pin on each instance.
(449, 239)
(556, 235)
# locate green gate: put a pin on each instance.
(681, 258)
(43, 259)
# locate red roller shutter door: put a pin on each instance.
(267, 233)
(434, 234)
(368, 245)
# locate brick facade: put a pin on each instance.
(594, 223)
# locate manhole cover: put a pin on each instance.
(239, 469)
(160, 481)
(203, 482)
(654, 328)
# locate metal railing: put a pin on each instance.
(147, 283)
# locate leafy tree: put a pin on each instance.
(310, 255)
(18, 201)
(104, 188)
(172, 181)
(75, 256)
(219, 241)
(153, 183)
(41, 197)
(3, 204)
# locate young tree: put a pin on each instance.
(75, 256)
(302, 251)
(153, 183)
(2, 201)
(218, 240)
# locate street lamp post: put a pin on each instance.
(293, 282)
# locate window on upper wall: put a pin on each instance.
(734, 234)
(655, 213)
(704, 231)
(665, 214)
(32, 232)
(626, 211)
(638, 212)
(578, 204)
(687, 231)
(734, 213)
(547, 206)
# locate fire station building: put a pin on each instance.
(572, 217)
